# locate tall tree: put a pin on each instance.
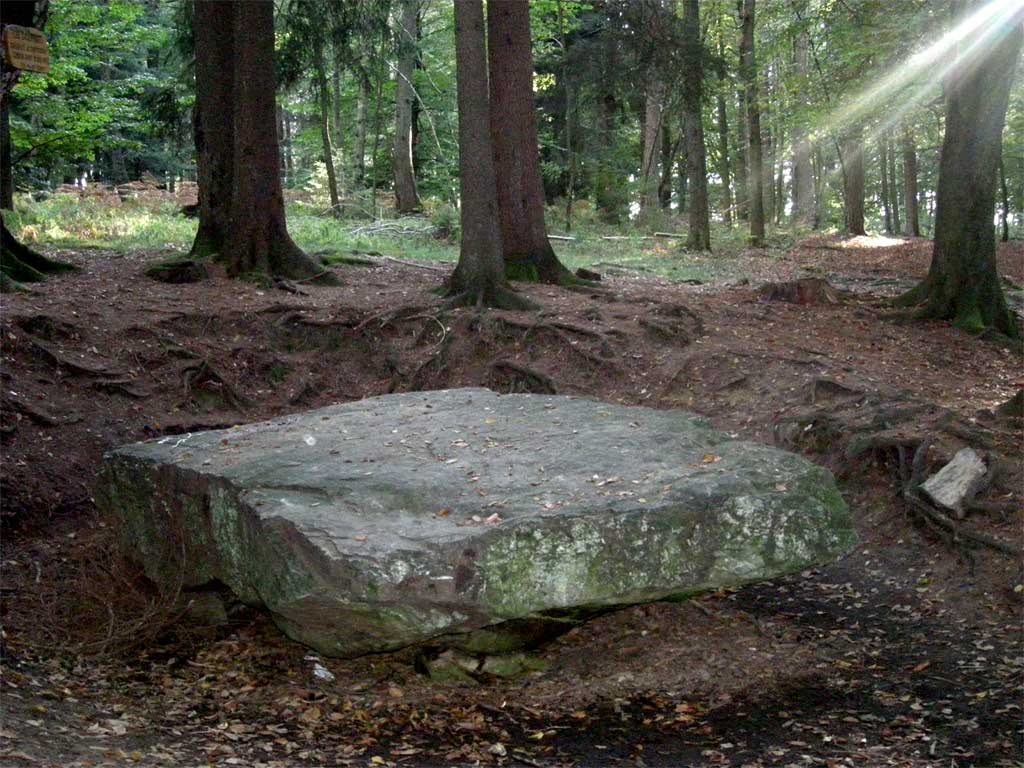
(479, 277)
(963, 284)
(803, 173)
(748, 74)
(324, 97)
(909, 150)
(699, 237)
(527, 251)
(894, 186)
(853, 183)
(883, 161)
(213, 121)
(406, 198)
(724, 160)
(257, 238)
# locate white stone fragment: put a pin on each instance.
(956, 482)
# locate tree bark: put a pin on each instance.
(213, 122)
(667, 162)
(651, 130)
(699, 236)
(513, 124)
(6, 166)
(325, 124)
(359, 129)
(742, 172)
(913, 222)
(803, 174)
(853, 185)
(257, 238)
(883, 160)
(724, 160)
(894, 185)
(479, 277)
(1006, 201)
(963, 283)
(608, 196)
(406, 198)
(748, 72)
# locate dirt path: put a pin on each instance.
(908, 653)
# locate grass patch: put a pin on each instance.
(69, 222)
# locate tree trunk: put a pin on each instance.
(6, 166)
(1006, 201)
(213, 122)
(289, 160)
(724, 160)
(359, 139)
(853, 185)
(963, 282)
(748, 73)
(608, 196)
(913, 222)
(699, 236)
(894, 185)
(651, 130)
(683, 188)
(803, 174)
(742, 172)
(513, 123)
(406, 198)
(479, 277)
(667, 162)
(325, 125)
(884, 162)
(257, 238)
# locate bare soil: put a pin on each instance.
(906, 653)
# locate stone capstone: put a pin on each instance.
(467, 519)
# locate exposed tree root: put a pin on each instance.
(949, 529)
(560, 331)
(495, 298)
(20, 264)
(61, 361)
(178, 271)
(201, 376)
(534, 381)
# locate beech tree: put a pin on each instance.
(525, 246)
(479, 277)
(242, 217)
(963, 284)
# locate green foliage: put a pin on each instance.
(112, 99)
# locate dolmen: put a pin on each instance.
(466, 519)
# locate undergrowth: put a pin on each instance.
(65, 221)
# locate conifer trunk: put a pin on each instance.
(513, 128)
(406, 198)
(257, 239)
(213, 122)
(699, 236)
(479, 277)
(755, 171)
(913, 222)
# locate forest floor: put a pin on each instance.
(907, 653)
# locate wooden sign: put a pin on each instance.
(26, 48)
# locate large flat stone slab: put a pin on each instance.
(467, 518)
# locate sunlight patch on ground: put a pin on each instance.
(872, 241)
